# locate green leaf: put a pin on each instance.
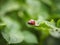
(29, 37)
(12, 33)
(9, 6)
(52, 22)
(33, 8)
(58, 23)
(2, 25)
(57, 4)
(48, 2)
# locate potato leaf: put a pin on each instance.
(29, 37)
(12, 33)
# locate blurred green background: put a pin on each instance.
(14, 17)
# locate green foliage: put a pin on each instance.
(14, 17)
(29, 37)
(12, 31)
(58, 23)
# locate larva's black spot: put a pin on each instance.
(56, 29)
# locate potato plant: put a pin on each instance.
(29, 22)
